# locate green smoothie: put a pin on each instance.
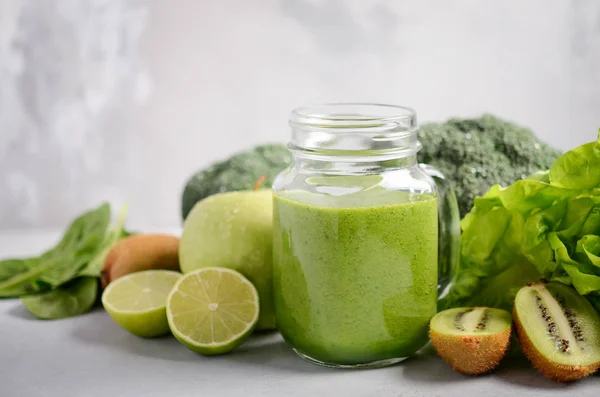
(355, 276)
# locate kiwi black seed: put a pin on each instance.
(558, 329)
(472, 340)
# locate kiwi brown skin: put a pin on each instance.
(140, 252)
(552, 370)
(471, 354)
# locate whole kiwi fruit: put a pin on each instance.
(140, 252)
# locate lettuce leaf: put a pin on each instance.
(546, 226)
(578, 168)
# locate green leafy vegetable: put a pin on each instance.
(546, 226)
(71, 299)
(62, 263)
(579, 168)
(13, 272)
(63, 281)
(114, 234)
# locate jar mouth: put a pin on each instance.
(354, 115)
(355, 128)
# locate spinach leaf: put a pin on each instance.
(114, 234)
(70, 299)
(63, 281)
(79, 246)
(15, 271)
(60, 264)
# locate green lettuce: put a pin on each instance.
(544, 227)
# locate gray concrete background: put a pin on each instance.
(123, 100)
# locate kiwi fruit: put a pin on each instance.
(558, 329)
(472, 340)
(140, 252)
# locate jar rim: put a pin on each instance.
(355, 115)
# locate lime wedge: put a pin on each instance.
(137, 302)
(212, 310)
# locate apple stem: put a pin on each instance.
(260, 182)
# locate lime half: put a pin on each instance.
(137, 301)
(212, 310)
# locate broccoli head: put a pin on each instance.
(473, 153)
(478, 153)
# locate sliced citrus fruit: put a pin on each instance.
(212, 310)
(137, 301)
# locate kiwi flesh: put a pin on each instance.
(472, 340)
(558, 329)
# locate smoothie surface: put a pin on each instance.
(355, 276)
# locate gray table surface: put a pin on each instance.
(91, 356)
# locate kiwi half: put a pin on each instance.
(472, 340)
(558, 329)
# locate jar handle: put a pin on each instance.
(449, 229)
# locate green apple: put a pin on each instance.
(234, 230)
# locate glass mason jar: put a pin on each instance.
(358, 227)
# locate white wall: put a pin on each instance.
(123, 100)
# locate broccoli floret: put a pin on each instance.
(475, 154)
(478, 153)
